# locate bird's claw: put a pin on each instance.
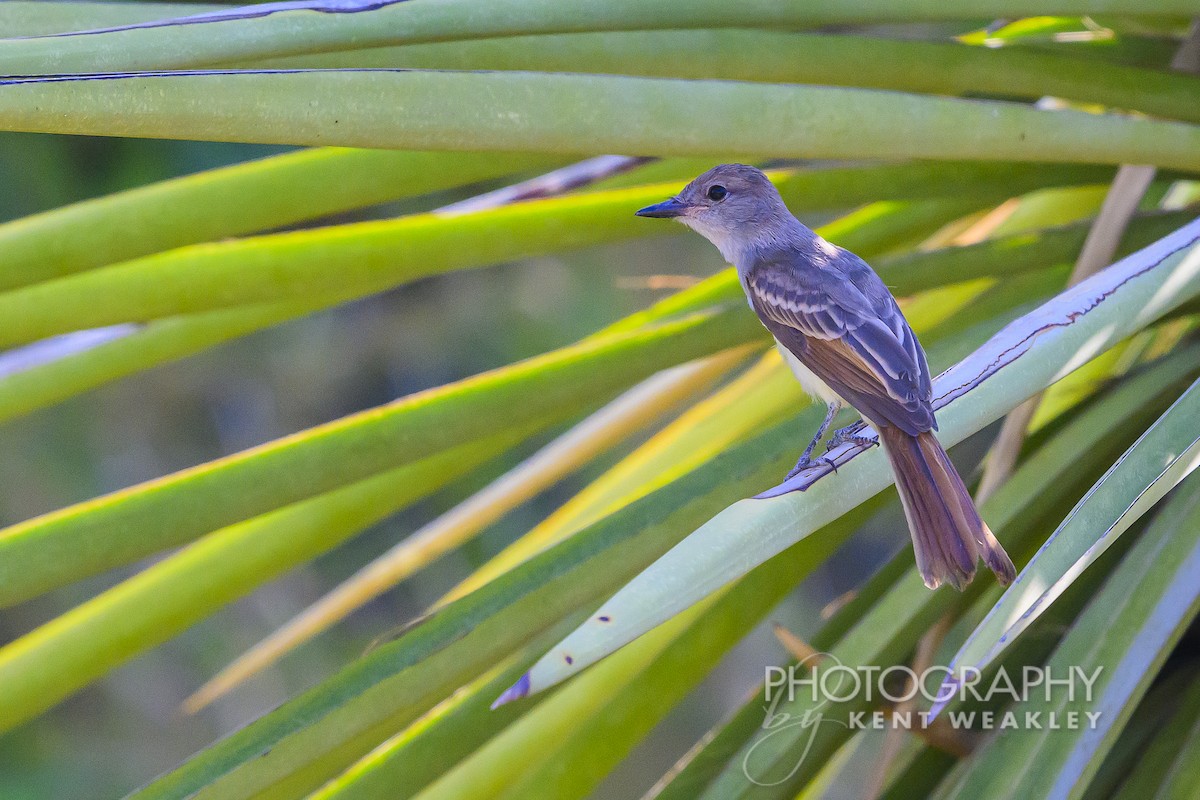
(805, 463)
(850, 435)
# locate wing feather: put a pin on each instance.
(840, 321)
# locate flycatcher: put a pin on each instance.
(844, 337)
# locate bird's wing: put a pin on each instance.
(840, 320)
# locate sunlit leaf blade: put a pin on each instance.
(1025, 357)
(758, 399)
(337, 263)
(1007, 256)
(328, 266)
(49, 663)
(501, 111)
(868, 230)
(623, 417)
(1054, 206)
(970, 304)
(1100, 32)
(1165, 454)
(159, 342)
(231, 201)
(82, 539)
(1126, 631)
(381, 693)
(248, 32)
(1081, 384)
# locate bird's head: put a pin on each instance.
(731, 205)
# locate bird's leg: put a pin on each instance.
(849, 434)
(806, 458)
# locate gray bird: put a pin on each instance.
(846, 340)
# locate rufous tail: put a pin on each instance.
(948, 535)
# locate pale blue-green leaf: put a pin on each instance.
(1163, 456)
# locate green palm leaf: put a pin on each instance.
(1165, 455)
(591, 113)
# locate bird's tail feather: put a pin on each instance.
(948, 535)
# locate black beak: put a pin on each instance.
(666, 209)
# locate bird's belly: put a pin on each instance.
(809, 381)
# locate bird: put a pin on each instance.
(844, 337)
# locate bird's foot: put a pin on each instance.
(806, 461)
(851, 434)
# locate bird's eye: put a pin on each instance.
(717, 193)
